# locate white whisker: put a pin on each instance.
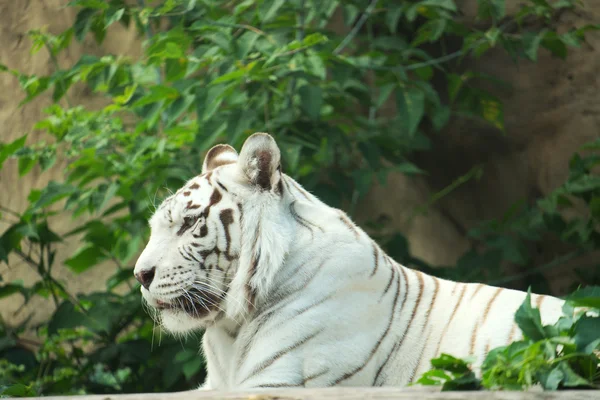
(205, 284)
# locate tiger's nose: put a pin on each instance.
(145, 277)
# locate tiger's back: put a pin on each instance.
(291, 292)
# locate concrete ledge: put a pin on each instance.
(346, 393)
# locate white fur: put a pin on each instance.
(330, 319)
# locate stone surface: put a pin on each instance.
(16, 18)
(551, 109)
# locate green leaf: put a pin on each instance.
(28, 230)
(447, 4)
(268, 9)
(52, 193)
(552, 379)
(291, 154)
(440, 117)
(384, 93)
(238, 123)
(157, 93)
(10, 289)
(113, 15)
(586, 297)
(562, 4)
(84, 258)
(531, 43)
(192, 367)
(425, 73)
(451, 363)
(392, 16)
(430, 31)
(311, 100)
(7, 150)
(434, 377)
(571, 39)
(122, 275)
(595, 207)
(460, 376)
(97, 4)
(455, 82)
(587, 334)
(245, 43)
(25, 164)
(529, 320)
(175, 68)
(185, 355)
(554, 43)
(492, 110)
(409, 168)
(18, 390)
(410, 103)
(234, 75)
(47, 160)
(83, 22)
(315, 65)
(66, 317)
(178, 108)
(33, 86)
(571, 378)
(494, 9)
(465, 382)
(109, 193)
(583, 184)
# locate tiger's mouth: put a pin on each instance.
(196, 303)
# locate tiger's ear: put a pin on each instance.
(260, 160)
(218, 155)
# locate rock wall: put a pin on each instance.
(552, 108)
(16, 19)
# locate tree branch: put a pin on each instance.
(550, 265)
(354, 31)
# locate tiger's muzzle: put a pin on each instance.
(194, 302)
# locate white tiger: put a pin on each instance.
(291, 293)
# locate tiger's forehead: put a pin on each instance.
(195, 195)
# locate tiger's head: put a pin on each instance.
(218, 240)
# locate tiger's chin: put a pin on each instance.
(180, 322)
(182, 315)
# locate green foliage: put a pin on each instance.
(102, 344)
(216, 71)
(564, 355)
(452, 373)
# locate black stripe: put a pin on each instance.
(376, 257)
(222, 186)
(389, 284)
(416, 307)
(460, 298)
(269, 361)
(226, 217)
(344, 218)
(300, 189)
(311, 306)
(301, 220)
(374, 350)
(183, 255)
(399, 342)
(315, 376)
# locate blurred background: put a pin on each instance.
(461, 134)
